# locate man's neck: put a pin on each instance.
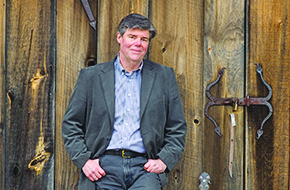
(130, 66)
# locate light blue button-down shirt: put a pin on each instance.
(127, 134)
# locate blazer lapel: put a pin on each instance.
(108, 84)
(148, 76)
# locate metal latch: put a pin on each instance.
(239, 101)
(89, 13)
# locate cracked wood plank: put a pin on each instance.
(29, 99)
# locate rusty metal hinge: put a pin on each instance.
(239, 101)
(89, 13)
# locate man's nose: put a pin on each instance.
(138, 42)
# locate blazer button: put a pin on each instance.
(108, 138)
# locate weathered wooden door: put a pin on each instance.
(44, 44)
(237, 35)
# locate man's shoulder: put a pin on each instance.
(159, 69)
(98, 68)
(157, 66)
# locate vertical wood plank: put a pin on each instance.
(29, 95)
(110, 14)
(2, 52)
(76, 44)
(267, 161)
(179, 44)
(224, 47)
(73, 29)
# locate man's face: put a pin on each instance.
(133, 45)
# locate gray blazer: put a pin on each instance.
(88, 122)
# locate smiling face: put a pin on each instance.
(133, 47)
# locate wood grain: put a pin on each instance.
(29, 95)
(267, 161)
(178, 44)
(76, 44)
(2, 73)
(224, 47)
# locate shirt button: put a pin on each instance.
(128, 109)
(129, 95)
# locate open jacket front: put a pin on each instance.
(88, 122)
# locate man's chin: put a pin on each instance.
(136, 58)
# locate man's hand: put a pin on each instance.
(155, 166)
(93, 170)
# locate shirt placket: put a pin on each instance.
(128, 110)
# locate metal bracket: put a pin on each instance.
(89, 12)
(204, 181)
(239, 101)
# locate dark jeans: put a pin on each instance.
(126, 173)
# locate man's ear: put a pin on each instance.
(119, 37)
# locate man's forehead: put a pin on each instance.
(137, 30)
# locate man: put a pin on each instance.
(124, 127)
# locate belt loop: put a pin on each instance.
(123, 154)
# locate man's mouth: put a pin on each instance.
(135, 50)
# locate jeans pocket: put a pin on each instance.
(97, 187)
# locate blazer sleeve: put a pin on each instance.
(175, 127)
(73, 125)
